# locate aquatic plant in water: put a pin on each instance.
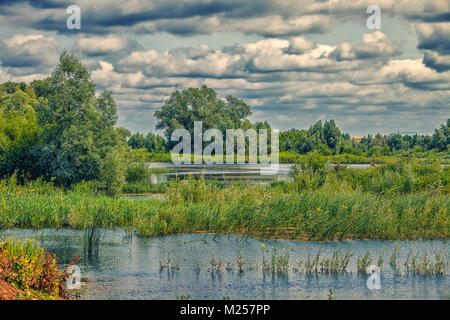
(363, 263)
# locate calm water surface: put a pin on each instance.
(128, 267)
(227, 172)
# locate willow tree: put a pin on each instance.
(78, 141)
(185, 107)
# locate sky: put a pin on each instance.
(294, 62)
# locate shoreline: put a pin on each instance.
(244, 235)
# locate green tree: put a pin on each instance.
(151, 142)
(395, 142)
(441, 137)
(316, 136)
(193, 104)
(295, 140)
(78, 139)
(137, 141)
(19, 131)
(332, 135)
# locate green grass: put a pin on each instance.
(288, 157)
(345, 158)
(399, 201)
(398, 178)
(144, 187)
(193, 206)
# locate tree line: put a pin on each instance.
(59, 129)
(328, 139)
(202, 104)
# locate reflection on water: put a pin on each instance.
(128, 267)
(221, 172)
(227, 172)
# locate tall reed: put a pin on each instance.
(262, 211)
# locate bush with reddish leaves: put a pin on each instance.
(32, 270)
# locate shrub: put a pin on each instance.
(136, 173)
(31, 269)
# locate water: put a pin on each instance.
(222, 172)
(226, 172)
(283, 167)
(128, 267)
(250, 173)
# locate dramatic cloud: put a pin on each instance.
(423, 10)
(263, 17)
(294, 62)
(434, 36)
(24, 53)
(414, 73)
(96, 46)
(434, 60)
(375, 45)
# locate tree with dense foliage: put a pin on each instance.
(332, 135)
(326, 139)
(441, 137)
(151, 142)
(193, 104)
(19, 130)
(78, 141)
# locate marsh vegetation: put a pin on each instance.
(402, 201)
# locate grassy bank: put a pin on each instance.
(144, 187)
(392, 202)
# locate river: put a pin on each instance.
(128, 267)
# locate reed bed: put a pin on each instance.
(194, 206)
(277, 261)
(398, 201)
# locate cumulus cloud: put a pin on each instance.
(6, 76)
(300, 45)
(434, 36)
(415, 74)
(271, 26)
(412, 10)
(435, 61)
(434, 39)
(95, 46)
(269, 55)
(23, 53)
(274, 65)
(423, 10)
(374, 45)
(263, 17)
(265, 56)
